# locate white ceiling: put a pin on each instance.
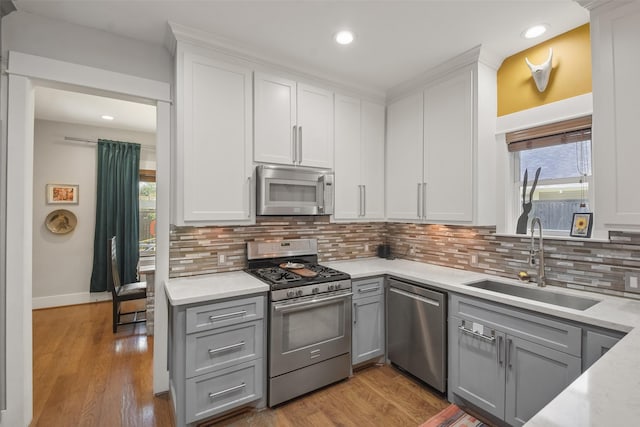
(395, 40)
(72, 107)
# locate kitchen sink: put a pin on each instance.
(568, 301)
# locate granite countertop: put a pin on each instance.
(606, 394)
(210, 287)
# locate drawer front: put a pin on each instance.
(545, 331)
(223, 347)
(225, 313)
(367, 287)
(212, 394)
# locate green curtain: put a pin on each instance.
(116, 211)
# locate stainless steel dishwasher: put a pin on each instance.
(416, 332)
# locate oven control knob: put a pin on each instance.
(337, 286)
(315, 290)
(299, 292)
(331, 287)
(291, 294)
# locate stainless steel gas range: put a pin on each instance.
(309, 317)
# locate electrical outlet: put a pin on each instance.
(474, 259)
(366, 247)
(412, 250)
(632, 282)
(222, 259)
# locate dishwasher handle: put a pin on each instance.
(415, 296)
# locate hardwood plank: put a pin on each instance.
(84, 375)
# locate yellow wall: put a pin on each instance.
(570, 75)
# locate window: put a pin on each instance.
(562, 151)
(147, 212)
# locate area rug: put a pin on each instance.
(452, 416)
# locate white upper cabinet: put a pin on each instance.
(347, 184)
(615, 32)
(404, 158)
(440, 150)
(359, 159)
(293, 123)
(372, 159)
(448, 149)
(213, 162)
(275, 106)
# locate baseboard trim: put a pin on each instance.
(69, 299)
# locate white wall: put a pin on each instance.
(28, 33)
(62, 263)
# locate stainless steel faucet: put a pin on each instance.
(542, 280)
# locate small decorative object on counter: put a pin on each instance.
(384, 251)
(521, 227)
(524, 276)
(582, 224)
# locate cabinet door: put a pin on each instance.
(615, 114)
(535, 375)
(372, 159)
(216, 140)
(275, 118)
(477, 367)
(368, 328)
(448, 149)
(347, 188)
(315, 126)
(404, 159)
(596, 345)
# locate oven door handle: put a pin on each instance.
(310, 302)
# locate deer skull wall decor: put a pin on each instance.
(541, 73)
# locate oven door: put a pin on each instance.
(309, 330)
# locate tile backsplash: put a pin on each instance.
(198, 250)
(594, 266)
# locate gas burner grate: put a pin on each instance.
(277, 275)
(324, 271)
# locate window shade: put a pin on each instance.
(147, 175)
(574, 130)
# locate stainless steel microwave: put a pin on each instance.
(286, 190)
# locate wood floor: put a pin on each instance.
(84, 375)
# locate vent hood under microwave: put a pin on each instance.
(293, 190)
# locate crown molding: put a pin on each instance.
(469, 58)
(178, 33)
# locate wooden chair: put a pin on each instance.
(126, 292)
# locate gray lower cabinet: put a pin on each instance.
(596, 344)
(368, 320)
(507, 362)
(217, 357)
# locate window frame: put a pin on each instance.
(545, 131)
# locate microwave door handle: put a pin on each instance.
(320, 189)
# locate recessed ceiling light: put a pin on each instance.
(105, 117)
(535, 31)
(344, 37)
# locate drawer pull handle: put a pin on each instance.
(225, 348)
(229, 390)
(226, 315)
(371, 289)
(492, 338)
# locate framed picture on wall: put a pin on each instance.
(582, 224)
(62, 194)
